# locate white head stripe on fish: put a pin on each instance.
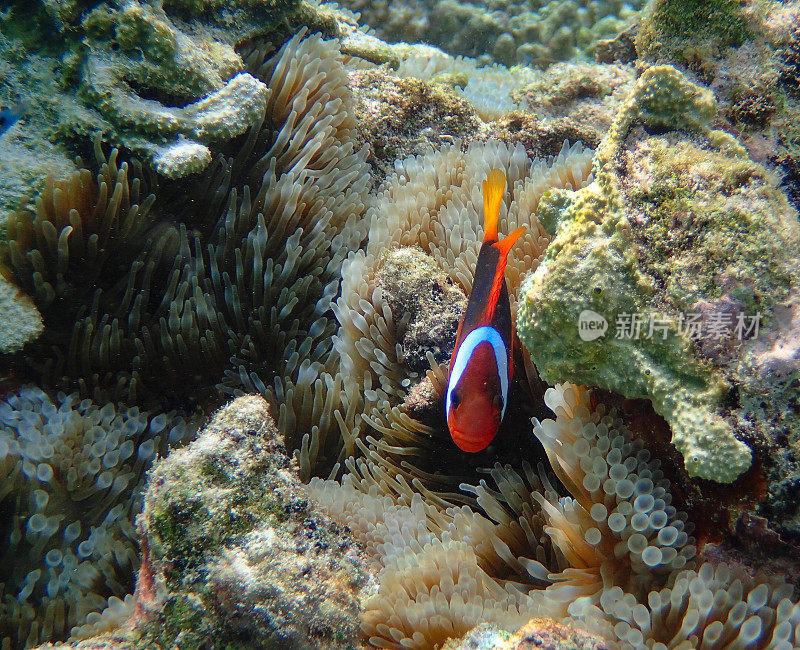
(468, 345)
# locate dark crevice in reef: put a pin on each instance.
(159, 95)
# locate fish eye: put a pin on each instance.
(455, 399)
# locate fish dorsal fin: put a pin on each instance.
(505, 245)
(493, 188)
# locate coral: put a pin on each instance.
(672, 28)
(72, 475)
(790, 63)
(412, 284)
(21, 321)
(151, 55)
(193, 304)
(485, 635)
(507, 32)
(235, 550)
(661, 233)
(488, 88)
(148, 75)
(538, 633)
(565, 101)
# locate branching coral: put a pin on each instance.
(71, 475)
(619, 555)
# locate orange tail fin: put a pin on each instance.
(493, 188)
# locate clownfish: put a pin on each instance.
(481, 365)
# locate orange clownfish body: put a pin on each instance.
(481, 366)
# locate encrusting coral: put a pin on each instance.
(660, 234)
(617, 555)
(71, 480)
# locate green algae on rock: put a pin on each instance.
(676, 28)
(675, 222)
(236, 550)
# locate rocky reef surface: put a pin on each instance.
(274, 202)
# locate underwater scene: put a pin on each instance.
(416, 324)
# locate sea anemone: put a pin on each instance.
(160, 296)
(615, 554)
(71, 479)
(430, 204)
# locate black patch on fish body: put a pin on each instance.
(485, 272)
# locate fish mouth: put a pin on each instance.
(470, 444)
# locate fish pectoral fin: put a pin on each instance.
(493, 188)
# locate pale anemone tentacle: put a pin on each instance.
(71, 477)
(615, 555)
(432, 201)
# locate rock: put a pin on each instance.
(414, 284)
(20, 321)
(234, 553)
(677, 223)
